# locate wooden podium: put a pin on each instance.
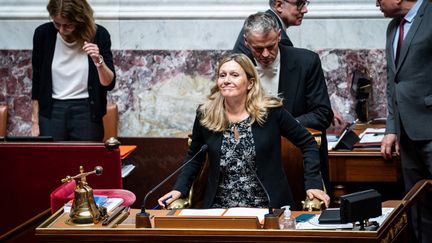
(393, 229)
(204, 222)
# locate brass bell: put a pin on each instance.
(84, 210)
(312, 205)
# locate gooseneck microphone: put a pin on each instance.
(271, 220)
(262, 185)
(143, 218)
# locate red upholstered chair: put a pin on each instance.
(65, 193)
(3, 120)
(110, 122)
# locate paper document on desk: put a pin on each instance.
(385, 213)
(371, 138)
(202, 212)
(374, 130)
(331, 141)
(313, 223)
(372, 135)
(231, 212)
(127, 169)
(258, 212)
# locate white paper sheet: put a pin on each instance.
(371, 138)
(202, 212)
(258, 212)
(314, 223)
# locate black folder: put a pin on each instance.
(330, 216)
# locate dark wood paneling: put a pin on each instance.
(155, 159)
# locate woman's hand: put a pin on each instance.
(319, 194)
(169, 198)
(93, 51)
(106, 76)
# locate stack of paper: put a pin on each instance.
(127, 169)
(109, 203)
(372, 135)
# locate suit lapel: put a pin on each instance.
(389, 45)
(412, 32)
(287, 84)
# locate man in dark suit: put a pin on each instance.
(294, 74)
(287, 13)
(409, 97)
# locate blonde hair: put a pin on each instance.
(257, 101)
(80, 13)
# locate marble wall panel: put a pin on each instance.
(158, 91)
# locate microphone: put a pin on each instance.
(271, 220)
(143, 218)
(263, 187)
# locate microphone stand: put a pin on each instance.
(142, 219)
(271, 220)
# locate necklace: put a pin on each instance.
(236, 132)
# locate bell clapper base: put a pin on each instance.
(271, 221)
(142, 220)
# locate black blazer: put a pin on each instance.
(302, 86)
(44, 40)
(267, 139)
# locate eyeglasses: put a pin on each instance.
(299, 3)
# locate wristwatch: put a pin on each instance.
(101, 60)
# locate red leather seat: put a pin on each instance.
(65, 193)
(3, 120)
(110, 122)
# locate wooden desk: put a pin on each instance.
(360, 165)
(54, 229)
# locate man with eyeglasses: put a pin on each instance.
(294, 74)
(287, 13)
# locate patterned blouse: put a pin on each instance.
(238, 186)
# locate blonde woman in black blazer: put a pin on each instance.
(242, 127)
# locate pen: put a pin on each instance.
(164, 202)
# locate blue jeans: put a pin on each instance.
(71, 121)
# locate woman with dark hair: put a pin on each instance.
(72, 72)
(242, 128)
